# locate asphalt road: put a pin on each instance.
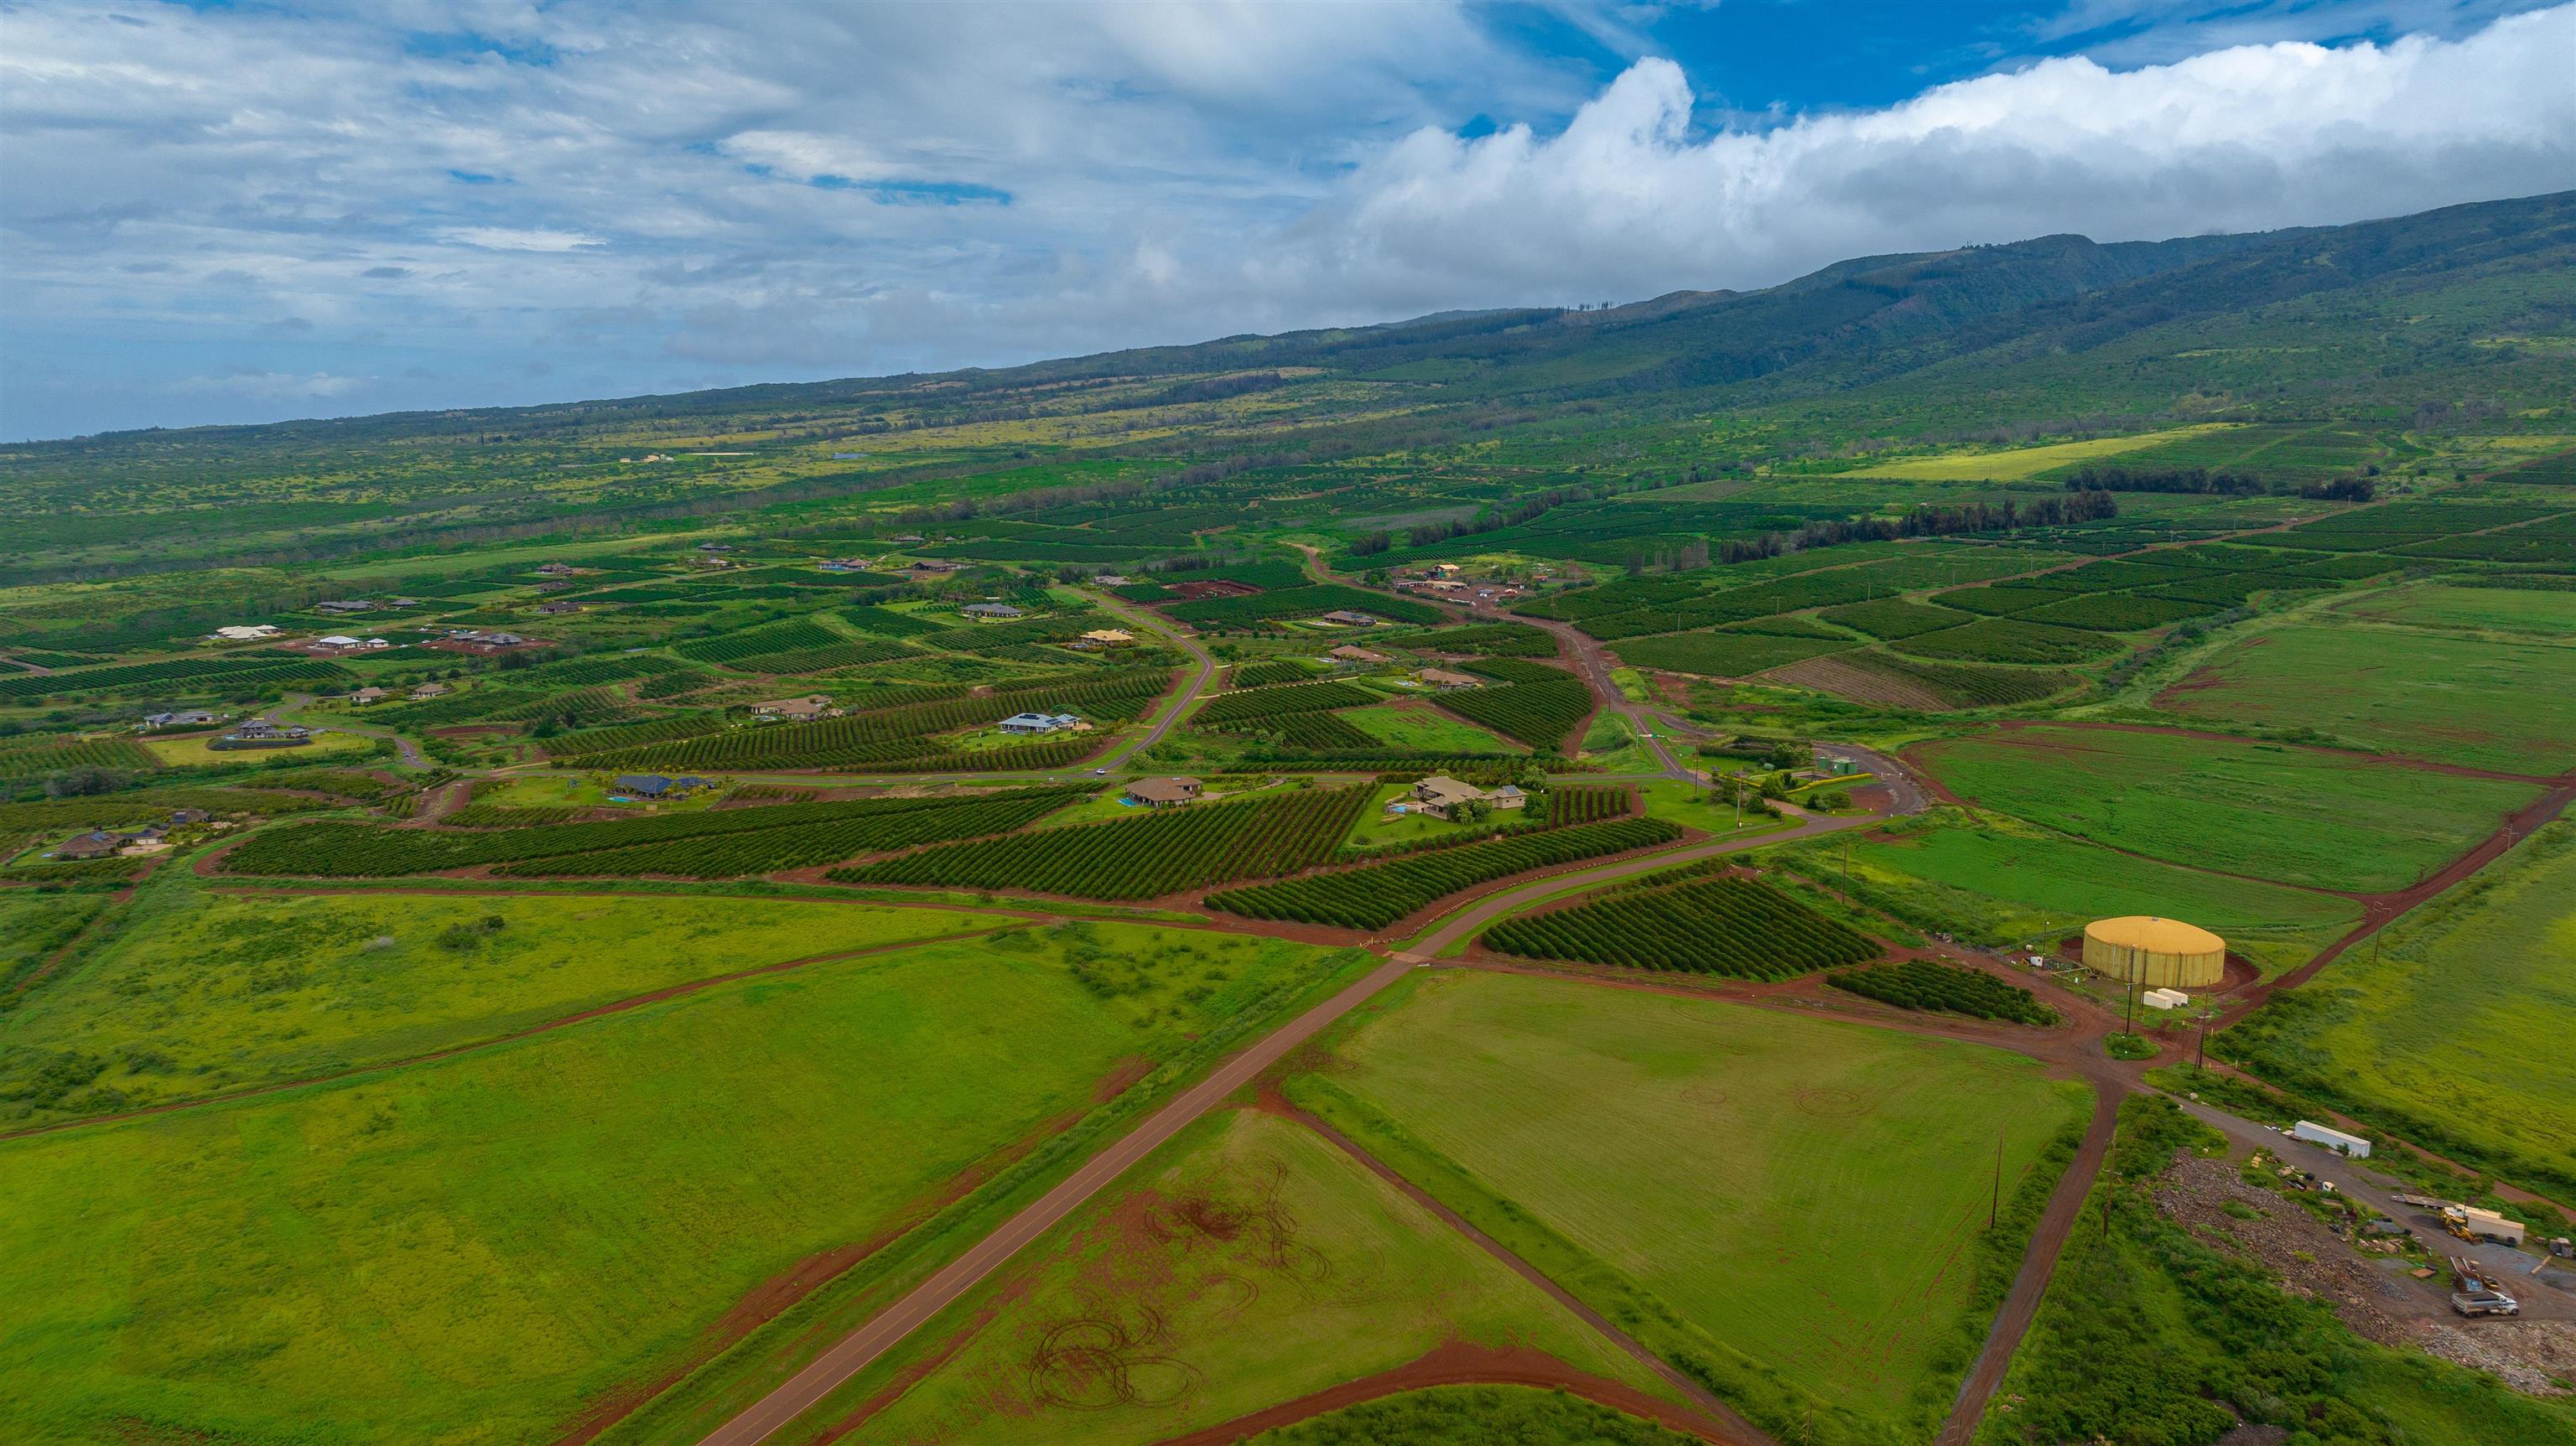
(1171, 716)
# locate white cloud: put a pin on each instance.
(276, 386)
(510, 238)
(431, 194)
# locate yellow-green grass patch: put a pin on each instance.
(2022, 463)
(1801, 1196)
(2547, 614)
(2264, 810)
(2448, 698)
(194, 752)
(1250, 1263)
(479, 1249)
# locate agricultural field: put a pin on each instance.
(2545, 614)
(2449, 1028)
(1706, 925)
(1374, 896)
(2261, 810)
(2452, 698)
(1794, 1203)
(373, 1250)
(1949, 988)
(1996, 881)
(331, 743)
(1250, 1263)
(202, 992)
(1418, 728)
(2023, 463)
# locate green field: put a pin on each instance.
(1474, 1416)
(2454, 1028)
(1415, 728)
(2472, 609)
(2268, 811)
(1805, 1195)
(1998, 882)
(200, 992)
(469, 1251)
(193, 752)
(33, 927)
(1251, 1262)
(2509, 706)
(2023, 463)
(1688, 804)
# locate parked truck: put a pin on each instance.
(2468, 1222)
(2474, 1303)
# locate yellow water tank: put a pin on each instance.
(2158, 953)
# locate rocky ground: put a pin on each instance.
(2369, 1291)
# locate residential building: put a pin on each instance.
(427, 691)
(812, 705)
(344, 605)
(1344, 618)
(552, 609)
(188, 718)
(1444, 797)
(1446, 679)
(1110, 638)
(655, 785)
(183, 817)
(991, 612)
(1114, 579)
(95, 844)
(1026, 723)
(364, 696)
(339, 640)
(933, 567)
(555, 569)
(1164, 792)
(245, 633)
(1355, 655)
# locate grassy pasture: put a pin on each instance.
(2268, 811)
(471, 1251)
(33, 926)
(1251, 1262)
(200, 992)
(2472, 609)
(1417, 729)
(2454, 1029)
(2001, 883)
(1804, 1194)
(2452, 699)
(193, 752)
(2023, 463)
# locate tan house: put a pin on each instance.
(364, 696)
(1110, 638)
(1353, 653)
(1164, 792)
(1446, 679)
(427, 691)
(812, 705)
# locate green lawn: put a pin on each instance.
(1376, 826)
(1801, 1198)
(1415, 728)
(1688, 804)
(198, 992)
(1249, 1263)
(2496, 609)
(2000, 882)
(2297, 816)
(2455, 1028)
(2023, 462)
(193, 752)
(470, 1251)
(2449, 698)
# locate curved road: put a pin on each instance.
(407, 750)
(1171, 715)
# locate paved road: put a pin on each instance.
(1163, 725)
(855, 1351)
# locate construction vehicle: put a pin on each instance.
(2474, 1303)
(2563, 1248)
(2468, 1222)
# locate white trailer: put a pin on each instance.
(2333, 1139)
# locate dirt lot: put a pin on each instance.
(2372, 1294)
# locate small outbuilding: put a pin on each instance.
(2333, 1139)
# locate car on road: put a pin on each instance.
(1100, 773)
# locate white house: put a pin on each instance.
(1025, 723)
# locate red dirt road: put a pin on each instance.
(1459, 1364)
(854, 1352)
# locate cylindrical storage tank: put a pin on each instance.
(2159, 953)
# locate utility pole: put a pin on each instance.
(2204, 1044)
(2129, 1024)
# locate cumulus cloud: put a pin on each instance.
(648, 195)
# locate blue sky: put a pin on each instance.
(277, 208)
